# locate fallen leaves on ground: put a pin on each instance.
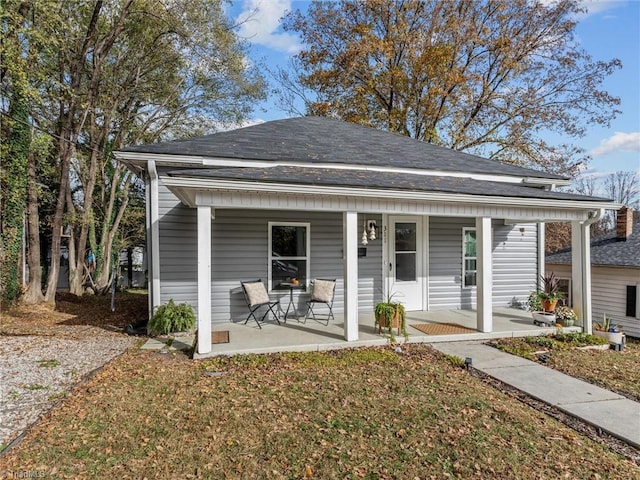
(362, 413)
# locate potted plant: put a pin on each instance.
(389, 315)
(566, 316)
(608, 330)
(550, 294)
(540, 317)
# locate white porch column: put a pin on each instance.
(484, 274)
(350, 248)
(581, 272)
(153, 237)
(204, 279)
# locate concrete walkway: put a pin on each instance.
(609, 411)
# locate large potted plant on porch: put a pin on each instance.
(550, 293)
(542, 303)
(390, 314)
(540, 317)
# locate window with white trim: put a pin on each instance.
(289, 253)
(564, 287)
(469, 258)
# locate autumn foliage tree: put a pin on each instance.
(488, 77)
(113, 73)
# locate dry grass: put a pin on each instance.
(610, 369)
(364, 413)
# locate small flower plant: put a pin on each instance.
(564, 313)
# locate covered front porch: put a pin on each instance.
(300, 336)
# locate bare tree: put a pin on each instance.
(624, 188)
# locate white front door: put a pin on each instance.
(406, 261)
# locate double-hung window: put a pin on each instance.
(289, 252)
(469, 257)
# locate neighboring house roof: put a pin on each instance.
(607, 250)
(375, 180)
(319, 140)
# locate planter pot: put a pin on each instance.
(612, 337)
(543, 318)
(395, 322)
(549, 305)
(567, 323)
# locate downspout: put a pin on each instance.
(585, 239)
(153, 243)
(541, 254)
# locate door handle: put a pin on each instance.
(390, 266)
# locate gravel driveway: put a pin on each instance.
(37, 371)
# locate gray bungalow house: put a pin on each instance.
(301, 197)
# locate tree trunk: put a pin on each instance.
(33, 294)
(56, 234)
(67, 138)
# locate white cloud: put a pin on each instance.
(260, 24)
(592, 6)
(619, 142)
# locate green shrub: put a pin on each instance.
(172, 318)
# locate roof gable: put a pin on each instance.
(319, 140)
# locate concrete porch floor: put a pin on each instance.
(296, 336)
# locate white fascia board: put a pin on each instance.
(201, 161)
(271, 188)
(162, 160)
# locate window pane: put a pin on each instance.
(470, 265)
(288, 241)
(406, 267)
(470, 243)
(469, 279)
(405, 237)
(287, 270)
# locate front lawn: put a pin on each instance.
(609, 369)
(364, 413)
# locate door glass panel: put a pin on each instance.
(405, 237)
(405, 267)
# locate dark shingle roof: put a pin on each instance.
(324, 140)
(377, 180)
(607, 250)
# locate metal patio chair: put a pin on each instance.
(322, 292)
(256, 296)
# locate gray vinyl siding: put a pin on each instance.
(445, 264)
(514, 263)
(608, 293)
(178, 250)
(240, 252)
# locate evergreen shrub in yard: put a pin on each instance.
(172, 317)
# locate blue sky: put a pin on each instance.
(610, 29)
